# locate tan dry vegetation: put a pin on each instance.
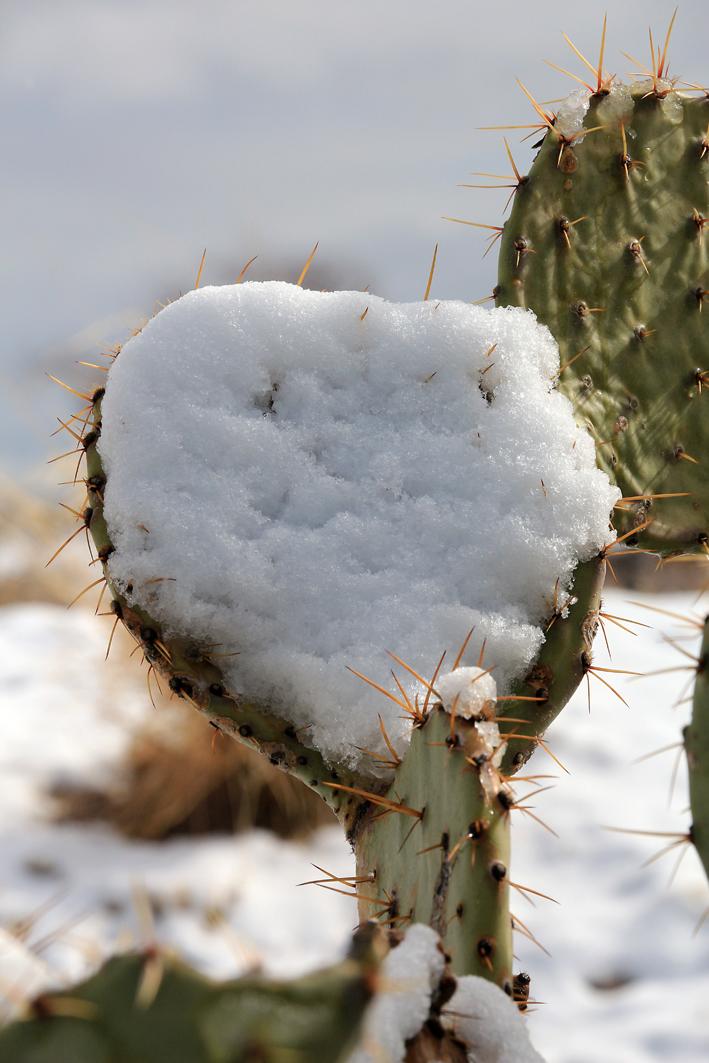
(180, 776)
(30, 531)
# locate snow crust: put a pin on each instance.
(467, 691)
(572, 111)
(312, 487)
(489, 1024)
(618, 105)
(411, 971)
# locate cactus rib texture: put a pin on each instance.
(696, 744)
(605, 243)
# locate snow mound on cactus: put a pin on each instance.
(411, 972)
(466, 691)
(309, 486)
(489, 1024)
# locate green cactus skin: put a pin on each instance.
(184, 1018)
(562, 663)
(608, 251)
(450, 867)
(696, 744)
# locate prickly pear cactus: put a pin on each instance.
(606, 244)
(143, 1008)
(696, 743)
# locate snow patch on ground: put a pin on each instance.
(312, 486)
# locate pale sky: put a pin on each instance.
(137, 132)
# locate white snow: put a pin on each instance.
(479, 1013)
(410, 973)
(617, 106)
(571, 113)
(489, 1024)
(467, 691)
(62, 720)
(312, 487)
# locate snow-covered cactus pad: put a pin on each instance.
(297, 487)
(606, 244)
(284, 485)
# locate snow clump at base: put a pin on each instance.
(410, 973)
(489, 1024)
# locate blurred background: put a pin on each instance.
(137, 133)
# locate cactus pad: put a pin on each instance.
(606, 244)
(145, 1008)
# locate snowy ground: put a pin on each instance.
(626, 980)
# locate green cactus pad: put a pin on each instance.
(605, 243)
(145, 1008)
(696, 744)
